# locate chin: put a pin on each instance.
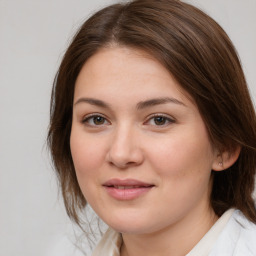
(131, 226)
(124, 229)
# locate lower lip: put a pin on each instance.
(127, 194)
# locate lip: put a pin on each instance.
(128, 189)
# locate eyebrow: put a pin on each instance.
(158, 101)
(139, 106)
(94, 102)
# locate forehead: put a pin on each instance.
(115, 69)
(123, 61)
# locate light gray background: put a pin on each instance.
(33, 37)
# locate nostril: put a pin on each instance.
(124, 155)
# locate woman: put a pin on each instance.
(152, 125)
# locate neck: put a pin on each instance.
(176, 240)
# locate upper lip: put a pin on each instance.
(126, 182)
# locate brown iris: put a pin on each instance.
(159, 120)
(98, 120)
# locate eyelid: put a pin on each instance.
(88, 116)
(168, 118)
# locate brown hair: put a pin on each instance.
(199, 54)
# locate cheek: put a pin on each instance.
(183, 154)
(87, 154)
(87, 158)
(183, 165)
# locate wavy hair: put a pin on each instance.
(201, 57)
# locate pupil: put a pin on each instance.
(159, 120)
(98, 120)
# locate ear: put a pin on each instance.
(225, 159)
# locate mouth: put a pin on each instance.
(128, 189)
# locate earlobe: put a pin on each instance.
(226, 159)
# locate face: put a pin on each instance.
(140, 148)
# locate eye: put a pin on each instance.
(95, 120)
(160, 120)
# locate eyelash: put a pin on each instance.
(167, 119)
(87, 118)
(92, 117)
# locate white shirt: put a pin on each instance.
(231, 235)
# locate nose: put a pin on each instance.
(125, 150)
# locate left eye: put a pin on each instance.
(160, 120)
(95, 120)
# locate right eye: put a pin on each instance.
(95, 120)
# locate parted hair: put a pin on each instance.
(200, 56)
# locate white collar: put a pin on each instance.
(111, 241)
(205, 245)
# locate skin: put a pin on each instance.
(127, 141)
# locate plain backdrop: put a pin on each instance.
(33, 37)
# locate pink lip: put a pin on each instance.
(127, 189)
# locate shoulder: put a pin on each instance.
(237, 238)
(246, 242)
